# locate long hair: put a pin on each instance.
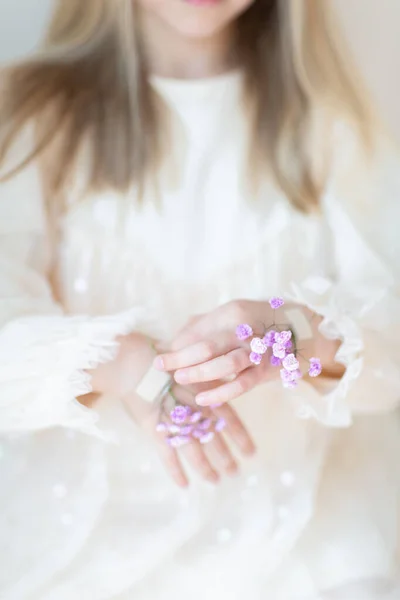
(88, 86)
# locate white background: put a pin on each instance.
(372, 27)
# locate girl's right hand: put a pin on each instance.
(210, 460)
(120, 378)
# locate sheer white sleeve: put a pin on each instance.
(361, 303)
(43, 353)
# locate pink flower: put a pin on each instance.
(283, 337)
(275, 361)
(279, 351)
(276, 302)
(244, 331)
(269, 338)
(290, 362)
(255, 358)
(258, 346)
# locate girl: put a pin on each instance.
(167, 166)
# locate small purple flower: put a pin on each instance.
(275, 361)
(179, 414)
(287, 376)
(314, 371)
(255, 358)
(297, 374)
(198, 433)
(244, 331)
(186, 430)
(315, 367)
(178, 441)
(290, 362)
(174, 429)
(289, 345)
(195, 417)
(279, 351)
(269, 338)
(205, 424)
(207, 437)
(258, 346)
(220, 424)
(276, 302)
(283, 337)
(314, 360)
(161, 427)
(289, 384)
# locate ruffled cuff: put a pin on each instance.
(42, 369)
(367, 323)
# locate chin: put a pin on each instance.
(199, 28)
(196, 19)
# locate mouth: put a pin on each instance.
(203, 2)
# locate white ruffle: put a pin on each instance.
(42, 368)
(367, 325)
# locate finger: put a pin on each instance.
(169, 457)
(226, 392)
(220, 455)
(236, 429)
(197, 353)
(197, 458)
(229, 364)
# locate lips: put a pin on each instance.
(202, 2)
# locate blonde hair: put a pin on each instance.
(88, 84)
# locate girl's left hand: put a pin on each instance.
(208, 350)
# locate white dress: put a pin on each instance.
(315, 514)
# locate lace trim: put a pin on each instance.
(343, 318)
(43, 371)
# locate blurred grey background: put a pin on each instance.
(372, 27)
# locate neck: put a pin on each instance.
(170, 55)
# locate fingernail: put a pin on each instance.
(232, 470)
(213, 477)
(249, 450)
(159, 363)
(181, 377)
(201, 400)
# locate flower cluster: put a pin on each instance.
(186, 424)
(280, 346)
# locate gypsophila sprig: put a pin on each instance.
(182, 424)
(278, 344)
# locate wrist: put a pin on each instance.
(310, 342)
(121, 376)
